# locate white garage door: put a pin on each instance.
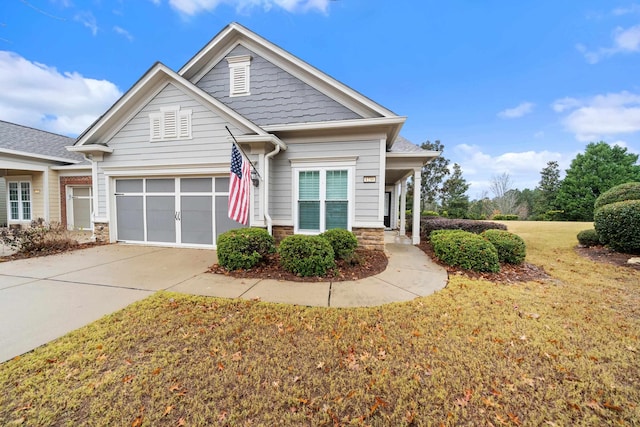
(176, 211)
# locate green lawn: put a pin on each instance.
(559, 352)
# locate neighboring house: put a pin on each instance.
(40, 178)
(326, 155)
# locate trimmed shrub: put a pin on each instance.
(619, 193)
(429, 213)
(511, 248)
(618, 225)
(243, 248)
(505, 217)
(588, 238)
(343, 242)
(464, 249)
(306, 255)
(428, 225)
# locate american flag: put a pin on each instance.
(239, 187)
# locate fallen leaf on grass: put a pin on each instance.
(137, 422)
(612, 407)
(181, 422)
(462, 401)
(167, 411)
(237, 356)
(128, 379)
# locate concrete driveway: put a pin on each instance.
(44, 298)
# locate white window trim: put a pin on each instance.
(309, 166)
(160, 128)
(19, 180)
(239, 67)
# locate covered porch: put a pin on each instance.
(403, 164)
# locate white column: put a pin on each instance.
(403, 207)
(417, 184)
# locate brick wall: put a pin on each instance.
(69, 180)
(281, 231)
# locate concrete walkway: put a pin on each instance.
(45, 298)
(409, 274)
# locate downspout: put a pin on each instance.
(267, 158)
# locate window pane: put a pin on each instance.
(24, 191)
(129, 186)
(309, 185)
(337, 185)
(309, 215)
(161, 185)
(15, 213)
(194, 185)
(222, 185)
(336, 214)
(13, 191)
(26, 210)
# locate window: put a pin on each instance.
(170, 123)
(239, 83)
(322, 200)
(20, 201)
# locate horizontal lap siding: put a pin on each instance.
(209, 143)
(132, 146)
(367, 196)
(276, 96)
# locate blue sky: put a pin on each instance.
(506, 86)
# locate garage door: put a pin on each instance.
(176, 211)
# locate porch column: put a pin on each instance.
(403, 207)
(417, 185)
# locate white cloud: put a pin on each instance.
(88, 20)
(601, 116)
(126, 34)
(515, 112)
(523, 167)
(634, 8)
(565, 104)
(40, 96)
(193, 7)
(624, 41)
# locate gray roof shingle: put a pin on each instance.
(403, 145)
(36, 142)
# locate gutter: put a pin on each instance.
(267, 158)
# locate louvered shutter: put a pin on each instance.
(155, 124)
(170, 124)
(184, 121)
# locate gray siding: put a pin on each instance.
(3, 202)
(132, 145)
(368, 163)
(276, 96)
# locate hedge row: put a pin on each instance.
(429, 225)
(483, 252)
(618, 225)
(244, 248)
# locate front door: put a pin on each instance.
(79, 207)
(387, 209)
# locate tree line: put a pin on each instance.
(600, 167)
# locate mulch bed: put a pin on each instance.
(369, 264)
(606, 255)
(49, 251)
(508, 273)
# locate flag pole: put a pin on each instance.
(235, 141)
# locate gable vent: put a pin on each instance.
(170, 123)
(239, 76)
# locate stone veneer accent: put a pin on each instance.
(281, 231)
(370, 238)
(101, 232)
(69, 180)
